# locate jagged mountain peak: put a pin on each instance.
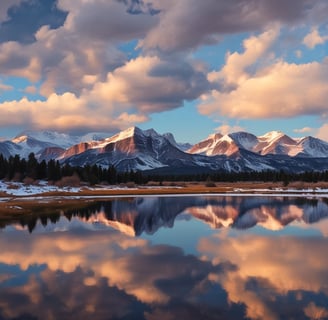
(182, 146)
(214, 136)
(273, 142)
(125, 134)
(272, 135)
(151, 132)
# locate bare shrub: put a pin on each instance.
(28, 181)
(69, 181)
(12, 186)
(210, 184)
(130, 184)
(152, 183)
(17, 177)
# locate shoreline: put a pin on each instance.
(23, 201)
(16, 190)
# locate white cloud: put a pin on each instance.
(226, 129)
(298, 54)
(126, 97)
(66, 112)
(322, 132)
(84, 47)
(252, 86)
(234, 72)
(304, 130)
(82, 60)
(150, 84)
(313, 39)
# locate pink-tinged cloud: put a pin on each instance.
(126, 97)
(150, 84)
(322, 132)
(5, 87)
(253, 86)
(66, 112)
(312, 39)
(304, 130)
(226, 129)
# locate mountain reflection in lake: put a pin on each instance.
(169, 258)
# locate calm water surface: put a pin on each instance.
(169, 258)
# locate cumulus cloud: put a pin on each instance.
(313, 39)
(235, 70)
(151, 84)
(304, 130)
(76, 52)
(126, 97)
(260, 88)
(226, 129)
(66, 112)
(24, 18)
(106, 20)
(322, 132)
(195, 23)
(84, 47)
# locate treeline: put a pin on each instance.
(27, 170)
(19, 169)
(260, 176)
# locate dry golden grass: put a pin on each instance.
(181, 188)
(17, 208)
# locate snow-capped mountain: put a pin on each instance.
(147, 150)
(272, 143)
(215, 144)
(44, 144)
(131, 149)
(57, 139)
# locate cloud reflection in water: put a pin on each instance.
(90, 270)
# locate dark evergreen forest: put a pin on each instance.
(19, 169)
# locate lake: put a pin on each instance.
(183, 257)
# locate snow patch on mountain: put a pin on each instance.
(272, 143)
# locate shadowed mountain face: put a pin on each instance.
(147, 215)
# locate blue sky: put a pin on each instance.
(188, 67)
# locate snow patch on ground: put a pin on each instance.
(21, 189)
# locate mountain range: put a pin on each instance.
(147, 150)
